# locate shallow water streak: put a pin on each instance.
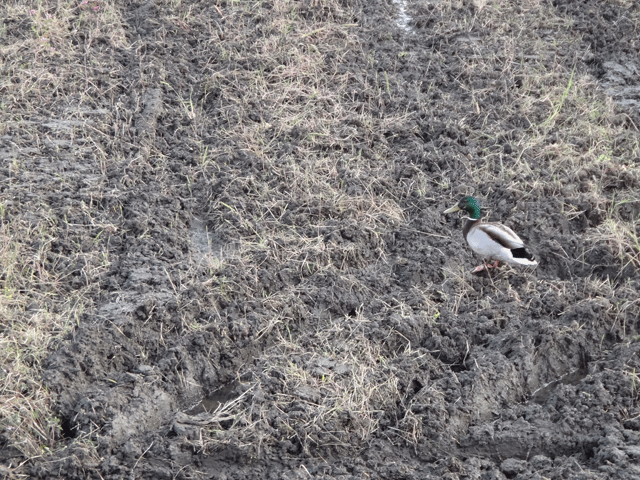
(403, 17)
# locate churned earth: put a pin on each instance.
(224, 252)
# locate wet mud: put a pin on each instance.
(235, 323)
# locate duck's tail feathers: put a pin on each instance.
(521, 256)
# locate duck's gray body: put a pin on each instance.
(492, 241)
(496, 242)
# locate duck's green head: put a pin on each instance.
(470, 205)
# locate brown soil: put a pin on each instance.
(249, 196)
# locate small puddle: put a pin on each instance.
(542, 394)
(200, 237)
(208, 248)
(215, 399)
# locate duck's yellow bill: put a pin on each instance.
(452, 209)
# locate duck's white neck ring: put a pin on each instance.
(470, 222)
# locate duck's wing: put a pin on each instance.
(502, 235)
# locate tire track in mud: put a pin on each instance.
(132, 362)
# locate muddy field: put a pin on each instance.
(225, 255)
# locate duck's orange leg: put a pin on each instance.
(487, 266)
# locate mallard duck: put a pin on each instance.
(491, 240)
